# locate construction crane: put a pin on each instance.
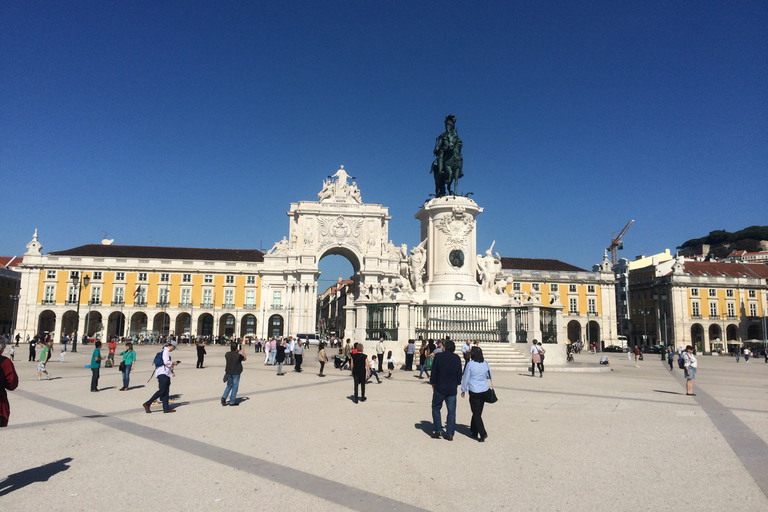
(617, 244)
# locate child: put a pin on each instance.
(373, 370)
(13, 351)
(390, 364)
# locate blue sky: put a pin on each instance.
(198, 123)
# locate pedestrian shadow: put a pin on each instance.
(241, 400)
(425, 426)
(110, 387)
(667, 392)
(136, 387)
(29, 476)
(464, 430)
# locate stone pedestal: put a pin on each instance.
(448, 225)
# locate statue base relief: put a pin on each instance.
(448, 224)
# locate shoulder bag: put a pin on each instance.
(490, 395)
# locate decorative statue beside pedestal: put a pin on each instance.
(416, 266)
(488, 267)
(447, 167)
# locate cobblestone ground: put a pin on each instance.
(623, 440)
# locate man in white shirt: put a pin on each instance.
(380, 354)
(298, 354)
(163, 373)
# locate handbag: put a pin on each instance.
(490, 395)
(122, 366)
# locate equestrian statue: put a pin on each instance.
(448, 161)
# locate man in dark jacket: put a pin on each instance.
(200, 354)
(233, 369)
(445, 379)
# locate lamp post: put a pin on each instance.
(79, 283)
(662, 306)
(15, 299)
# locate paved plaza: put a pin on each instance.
(623, 440)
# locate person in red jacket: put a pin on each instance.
(10, 382)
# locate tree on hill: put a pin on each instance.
(746, 239)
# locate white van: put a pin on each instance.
(308, 339)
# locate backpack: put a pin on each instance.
(159, 359)
(680, 362)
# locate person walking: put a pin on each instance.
(746, 355)
(425, 357)
(638, 355)
(200, 354)
(298, 354)
(279, 356)
(475, 380)
(10, 382)
(163, 373)
(273, 352)
(129, 361)
(360, 370)
(536, 353)
(112, 346)
(41, 368)
(670, 356)
(373, 372)
(390, 364)
(380, 354)
(737, 353)
(465, 350)
(689, 360)
(233, 369)
(95, 367)
(32, 345)
(321, 358)
(445, 379)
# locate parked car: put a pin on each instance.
(653, 349)
(614, 348)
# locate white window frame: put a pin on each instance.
(535, 287)
(164, 278)
(208, 297)
(250, 280)
(50, 274)
(752, 309)
(97, 275)
(731, 309)
(49, 296)
(118, 295)
(229, 298)
(590, 288)
(186, 278)
(713, 309)
(229, 279)
(142, 277)
(186, 297)
(208, 278)
(694, 292)
(572, 288)
(250, 298)
(592, 306)
(119, 276)
(729, 293)
(695, 309)
(554, 288)
(277, 299)
(95, 294)
(573, 305)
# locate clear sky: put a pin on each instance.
(196, 124)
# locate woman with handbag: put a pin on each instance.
(475, 380)
(126, 365)
(537, 358)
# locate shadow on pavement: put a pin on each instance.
(425, 426)
(667, 392)
(29, 476)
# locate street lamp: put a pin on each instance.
(663, 306)
(79, 283)
(15, 299)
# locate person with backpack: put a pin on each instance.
(163, 372)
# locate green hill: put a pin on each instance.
(723, 241)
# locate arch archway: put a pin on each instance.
(227, 325)
(697, 336)
(275, 326)
(594, 333)
(161, 324)
(248, 326)
(574, 331)
(68, 321)
(93, 324)
(183, 324)
(205, 325)
(138, 324)
(46, 322)
(339, 223)
(116, 324)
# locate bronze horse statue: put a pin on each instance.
(448, 163)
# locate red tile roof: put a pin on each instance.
(538, 264)
(163, 253)
(717, 269)
(13, 260)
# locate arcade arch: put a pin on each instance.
(205, 325)
(574, 331)
(116, 324)
(47, 322)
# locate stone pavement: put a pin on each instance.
(623, 440)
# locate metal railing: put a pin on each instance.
(461, 323)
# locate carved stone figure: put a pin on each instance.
(488, 267)
(309, 238)
(448, 164)
(280, 247)
(404, 285)
(354, 193)
(327, 191)
(417, 261)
